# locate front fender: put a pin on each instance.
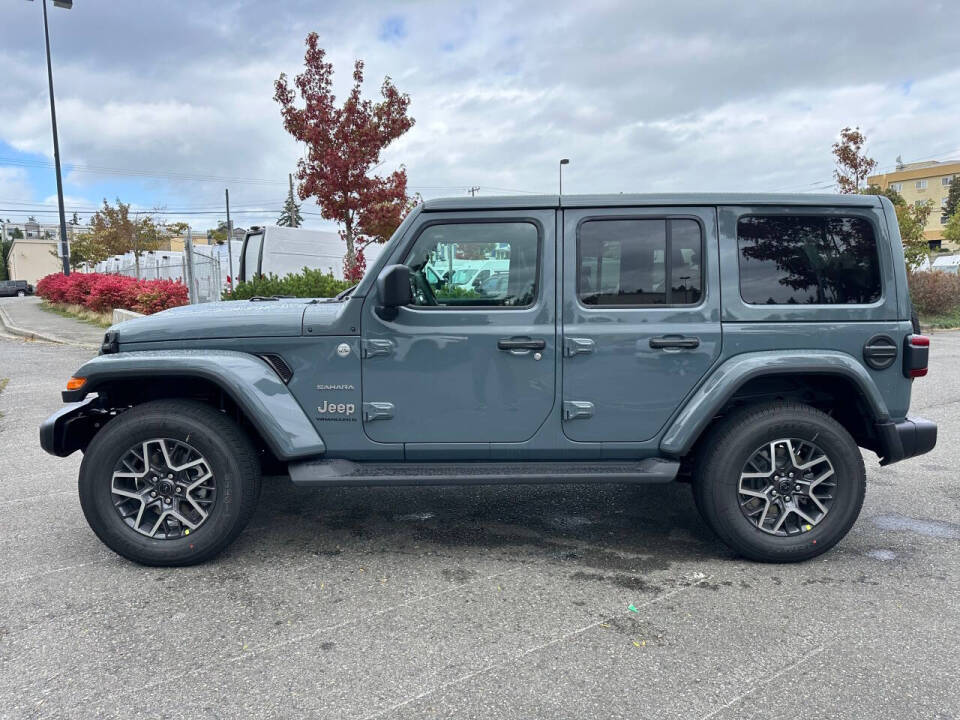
(248, 380)
(725, 380)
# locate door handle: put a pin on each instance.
(678, 342)
(520, 343)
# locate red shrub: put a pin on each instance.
(103, 293)
(53, 287)
(79, 286)
(157, 295)
(111, 291)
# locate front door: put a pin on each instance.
(641, 317)
(472, 359)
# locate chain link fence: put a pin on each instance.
(211, 272)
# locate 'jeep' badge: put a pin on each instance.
(343, 349)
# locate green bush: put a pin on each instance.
(306, 284)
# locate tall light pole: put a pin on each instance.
(64, 249)
(565, 161)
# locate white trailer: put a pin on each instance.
(284, 250)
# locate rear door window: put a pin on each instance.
(639, 262)
(807, 259)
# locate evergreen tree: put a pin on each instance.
(953, 198)
(290, 216)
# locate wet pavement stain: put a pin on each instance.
(627, 582)
(458, 575)
(929, 528)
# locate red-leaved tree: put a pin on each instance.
(343, 147)
(853, 165)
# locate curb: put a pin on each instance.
(8, 325)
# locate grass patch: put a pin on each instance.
(79, 312)
(946, 321)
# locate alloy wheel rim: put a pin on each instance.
(787, 487)
(163, 488)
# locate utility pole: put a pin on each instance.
(474, 190)
(564, 161)
(226, 192)
(188, 267)
(64, 248)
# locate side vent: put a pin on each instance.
(279, 366)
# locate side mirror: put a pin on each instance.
(393, 287)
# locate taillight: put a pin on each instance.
(916, 354)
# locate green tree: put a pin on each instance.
(115, 232)
(84, 248)
(953, 198)
(75, 220)
(951, 233)
(6, 243)
(290, 215)
(912, 219)
(4, 252)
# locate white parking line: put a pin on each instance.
(816, 651)
(525, 653)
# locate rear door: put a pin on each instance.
(641, 316)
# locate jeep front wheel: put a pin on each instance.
(780, 482)
(169, 482)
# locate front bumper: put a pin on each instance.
(913, 436)
(72, 427)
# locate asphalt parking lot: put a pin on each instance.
(492, 602)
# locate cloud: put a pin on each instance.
(14, 186)
(641, 96)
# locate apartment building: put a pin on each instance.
(923, 182)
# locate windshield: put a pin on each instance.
(462, 276)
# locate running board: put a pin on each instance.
(322, 473)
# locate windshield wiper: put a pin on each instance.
(344, 294)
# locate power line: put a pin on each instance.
(199, 177)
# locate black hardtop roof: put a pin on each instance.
(527, 202)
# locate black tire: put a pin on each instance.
(732, 442)
(226, 448)
(21, 293)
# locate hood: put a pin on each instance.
(228, 319)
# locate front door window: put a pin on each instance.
(475, 265)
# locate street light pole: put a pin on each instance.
(64, 249)
(564, 161)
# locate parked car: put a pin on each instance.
(750, 344)
(15, 288)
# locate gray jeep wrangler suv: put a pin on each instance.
(751, 343)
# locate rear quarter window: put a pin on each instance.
(808, 260)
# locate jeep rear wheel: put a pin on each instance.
(780, 482)
(170, 482)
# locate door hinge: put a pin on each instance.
(374, 347)
(576, 409)
(377, 411)
(577, 346)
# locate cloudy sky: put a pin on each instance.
(166, 103)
